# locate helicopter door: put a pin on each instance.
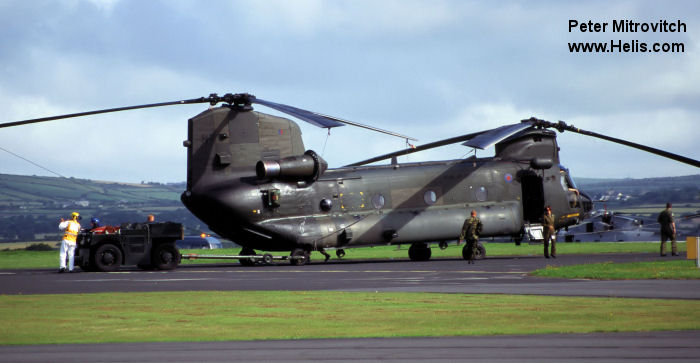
(533, 198)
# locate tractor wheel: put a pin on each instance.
(165, 257)
(107, 258)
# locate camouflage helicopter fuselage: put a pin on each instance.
(250, 180)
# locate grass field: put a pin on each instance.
(672, 269)
(17, 259)
(245, 315)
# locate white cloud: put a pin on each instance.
(314, 17)
(431, 69)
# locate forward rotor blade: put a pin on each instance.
(562, 126)
(495, 136)
(432, 145)
(322, 120)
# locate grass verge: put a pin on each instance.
(246, 315)
(673, 269)
(17, 259)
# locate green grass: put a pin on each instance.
(17, 259)
(246, 315)
(453, 251)
(672, 269)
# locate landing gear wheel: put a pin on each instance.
(419, 252)
(299, 257)
(480, 252)
(247, 261)
(107, 258)
(519, 238)
(340, 253)
(165, 257)
(267, 259)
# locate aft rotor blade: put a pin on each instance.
(322, 120)
(308, 116)
(88, 113)
(432, 145)
(562, 126)
(494, 136)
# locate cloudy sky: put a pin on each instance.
(429, 69)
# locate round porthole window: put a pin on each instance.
(430, 197)
(481, 194)
(378, 201)
(326, 205)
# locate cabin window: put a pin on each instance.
(326, 205)
(430, 197)
(481, 194)
(378, 201)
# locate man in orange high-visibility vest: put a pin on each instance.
(70, 230)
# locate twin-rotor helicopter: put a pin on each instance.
(251, 180)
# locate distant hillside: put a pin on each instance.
(681, 189)
(646, 183)
(31, 206)
(51, 190)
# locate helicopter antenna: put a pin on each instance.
(72, 180)
(326, 142)
(31, 162)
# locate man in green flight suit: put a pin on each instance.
(668, 230)
(470, 231)
(549, 234)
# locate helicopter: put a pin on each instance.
(250, 179)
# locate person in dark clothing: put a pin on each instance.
(668, 230)
(549, 234)
(470, 231)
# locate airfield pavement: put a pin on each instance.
(499, 275)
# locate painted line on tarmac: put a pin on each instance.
(141, 280)
(169, 280)
(368, 271)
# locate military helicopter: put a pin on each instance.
(250, 179)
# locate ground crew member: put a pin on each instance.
(549, 235)
(668, 230)
(470, 231)
(71, 228)
(324, 253)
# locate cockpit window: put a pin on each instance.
(568, 184)
(564, 183)
(567, 178)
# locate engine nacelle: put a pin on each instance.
(307, 167)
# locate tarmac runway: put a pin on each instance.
(501, 275)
